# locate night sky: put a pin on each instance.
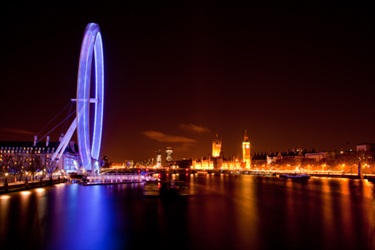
(178, 73)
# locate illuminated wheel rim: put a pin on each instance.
(91, 46)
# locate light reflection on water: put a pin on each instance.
(222, 212)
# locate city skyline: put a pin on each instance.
(289, 74)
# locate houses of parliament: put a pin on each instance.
(217, 161)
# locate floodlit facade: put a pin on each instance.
(366, 147)
(169, 153)
(316, 156)
(218, 163)
(246, 151)
(217, 160)
(13, 151)
(158, 159)
(216, 146)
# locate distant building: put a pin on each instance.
(146, 163)
(259, 159)
(294, 157)
(271, 158)
(129, 163)
(158, 159)
(168, 152)
(217, 160)
(181, 164)
(246, 151)
(316, 156)
(366, 147)
(11, 150)
(216, 146)
(117, 165)
(218, 163)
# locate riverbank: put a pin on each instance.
(19, 186)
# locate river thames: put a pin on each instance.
(221, 212)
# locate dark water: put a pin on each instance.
(222, 212)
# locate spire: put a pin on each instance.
(245, 139)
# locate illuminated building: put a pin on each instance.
(158, 159)
(117, 165)
(366, 147)
(203, 163)
(293, 158)
(271, 158)
(216, 146)
(217, 161)
(144, 163)
(22, 151)
(130, 163)
(169, 152)
(184, 163)
(316, 156)
(246, 151)
(259, 159)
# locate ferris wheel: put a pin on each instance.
(89, 149)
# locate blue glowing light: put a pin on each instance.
(91, 47)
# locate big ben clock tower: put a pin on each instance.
(246, 151)
(216, 146)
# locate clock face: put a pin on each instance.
(247, 146)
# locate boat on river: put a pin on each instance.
(151, 188)
(149, 176)
(268, 175)
(201, 172)
(295, 176)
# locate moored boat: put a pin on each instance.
(295, 176)
(267, 175)
(201, 172)
(151, 188)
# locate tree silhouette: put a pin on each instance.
(17, 165)
(35, 164)
(50, 167)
